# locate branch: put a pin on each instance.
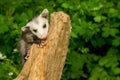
(47, 63)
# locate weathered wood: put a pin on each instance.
(47, 63)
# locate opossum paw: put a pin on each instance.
(42, 44)
(27, 54)
(26, 57)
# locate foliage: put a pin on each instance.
(94, 48)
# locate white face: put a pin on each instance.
(39, 25)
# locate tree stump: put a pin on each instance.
(47, 63)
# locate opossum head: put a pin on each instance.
(39, 25)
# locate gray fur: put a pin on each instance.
(25, 42)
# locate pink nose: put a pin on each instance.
(42, 37)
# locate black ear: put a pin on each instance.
(24, 28)
(45, 13)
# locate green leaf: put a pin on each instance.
(97, 18)
(114, 31)
(116, 70)
(103, 18)
(98, 42)
(113, 12)
(23, 17)
(95, 73)
(118, 78)
(97, 7)
(74, 35)
(103, 61)
(116, 41)
(76, 60)
(3, 28)
(65, 5)
(106, 31)
(108, 61)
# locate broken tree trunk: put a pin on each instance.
(47, 63)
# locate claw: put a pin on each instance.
(27, 54)
(42, 44)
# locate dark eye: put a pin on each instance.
(35, 30)
(44, 26)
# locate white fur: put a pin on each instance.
(37, 23)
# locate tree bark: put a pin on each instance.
(47, 63)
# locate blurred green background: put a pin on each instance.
(94, 49)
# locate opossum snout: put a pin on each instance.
(43, 36)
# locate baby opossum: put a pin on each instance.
(25, 42)
(34, 31)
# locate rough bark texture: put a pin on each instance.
(47, 63)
